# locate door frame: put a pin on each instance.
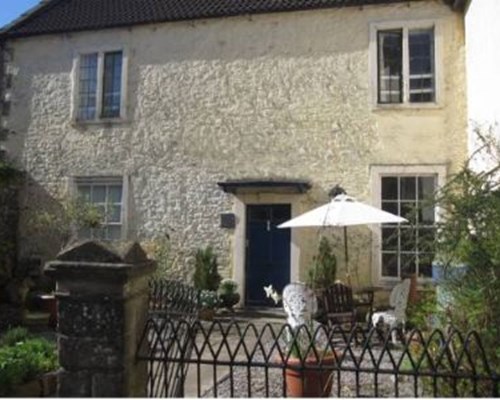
(239, 239)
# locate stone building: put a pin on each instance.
(214, 121)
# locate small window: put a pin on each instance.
(407, 248)
(106, 195)
(100, 88)
(406, 66)
(87, 95)
(390, 67)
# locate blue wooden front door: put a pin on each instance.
(267, 251)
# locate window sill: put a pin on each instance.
(407, 106)
(388, 283)
(107, 122)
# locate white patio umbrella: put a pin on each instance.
(343, 211)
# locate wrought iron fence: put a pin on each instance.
(230, 359)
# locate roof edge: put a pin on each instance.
(46, 5)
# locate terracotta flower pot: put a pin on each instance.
(43, 386)
(206, 314)
(304, 382)
(229, 300)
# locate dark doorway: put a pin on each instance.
(267, 251)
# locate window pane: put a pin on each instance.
(391, 207)
(408, 239)
(99, 194)
(421, 49)
(389, 238)
(115, 194)
(390, 66)
(84, 193)
(114, 214)
(390, 264)
(426, 215)
(426, 239)
(408, 265)
(114, 232)
(112, 84)
(87, 87)
(426, 187)
(389, 188)
(408, 188)
(409, 211)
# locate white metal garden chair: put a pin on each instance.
(396, 316)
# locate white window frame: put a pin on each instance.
(406, 26)
(107, 180)
(100, 82)
(376, 173)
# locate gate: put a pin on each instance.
(232, 359)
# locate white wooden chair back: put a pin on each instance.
(399, 299)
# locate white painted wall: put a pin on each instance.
(482, 29)
(286, 95)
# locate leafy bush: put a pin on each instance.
(209, 299)
(228, 286)
(323, 272)
(14, 336)
(470, 235)
(22, 361)
(421, 314)
(206, 275)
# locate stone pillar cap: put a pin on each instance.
(88, 257)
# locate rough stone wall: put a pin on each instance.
(284, 95)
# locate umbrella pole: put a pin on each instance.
(348, 275)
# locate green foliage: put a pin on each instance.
(323, 271)
(23, 358)
(8, 174)
(14, 336)
(206, 275)
(469, 234)
(420, 314)
(209, 299)
(162, 254)
(228, 286)
(62, 224)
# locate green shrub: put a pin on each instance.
(14, 336)
(323, 271)
(22, 361)
(206, 275)
(420, 314)
(228, 286)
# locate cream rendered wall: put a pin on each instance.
(483, 80)
(283, 95)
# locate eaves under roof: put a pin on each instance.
(59, 16)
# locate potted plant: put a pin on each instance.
(228, 293)
(322, 273)
(206, 275)
(308, 358)
(208, 303)
(27, 365)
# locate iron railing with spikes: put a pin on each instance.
(230, 359)
(189, 357)
(174, 298)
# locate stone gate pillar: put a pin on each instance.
(102, 307)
